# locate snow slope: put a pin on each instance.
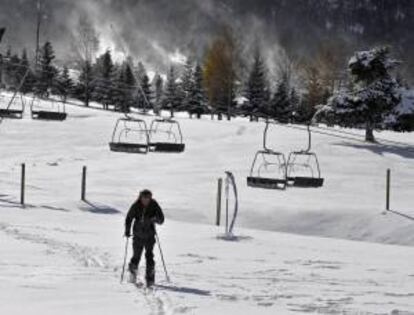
(60, 256)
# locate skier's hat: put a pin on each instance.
(145, 193)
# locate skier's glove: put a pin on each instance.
(127, 234)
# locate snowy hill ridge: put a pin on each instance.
(350, 205)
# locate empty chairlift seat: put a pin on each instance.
(303, 169)
(165, 136)
(48, 109)
(268, 170)
(12, 107)
(130, 136)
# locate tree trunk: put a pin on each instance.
(369, 133)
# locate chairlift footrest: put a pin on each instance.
(167, 147)
(305, 182)
(46, 115)
(266, 183)
(128, 148)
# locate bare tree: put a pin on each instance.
(85, 45)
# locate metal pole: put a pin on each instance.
(162, 257)
(227, 205)
(388, 192)
(219, 190)
(125, 259)
(83, 193)
(39, 21)
(22, 184)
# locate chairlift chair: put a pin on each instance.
(122, 140)
(272, 163)
(43, 114)
(172, 139)
(308, 163)
(11, 111)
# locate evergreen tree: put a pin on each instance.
(46, 71)
(103, 91)
(84, 88)
(197, 103)
(187, 83)
(256, 87)
(172, 100)
(159, 93)
(129, 85)
(125, 88)
(144, 88)
(65, 84)
(374, 95)
(280, 107)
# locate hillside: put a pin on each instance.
(59, 254)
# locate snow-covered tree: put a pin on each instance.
(374, 95)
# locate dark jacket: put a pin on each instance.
(144, 219)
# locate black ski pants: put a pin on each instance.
(139, 245)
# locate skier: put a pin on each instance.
(145, 212)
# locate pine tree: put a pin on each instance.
(256, 87)
(85, 86)
(65, 84)
(374, 95)
(197, 100)
(46, 71)
(172, 100)
(187, 83)
(280, 107)
(125, 88)
(129, 85)
(103, 92)
(144, 89)
(159, 93)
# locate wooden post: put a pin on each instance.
(388, 193)
(83, 193)
(219, 190)
(22, 184)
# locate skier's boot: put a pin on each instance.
(150, 278)
(133, 273)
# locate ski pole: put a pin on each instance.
(162, 257)
(125, 259)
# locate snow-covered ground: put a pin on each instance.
(59, 255)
